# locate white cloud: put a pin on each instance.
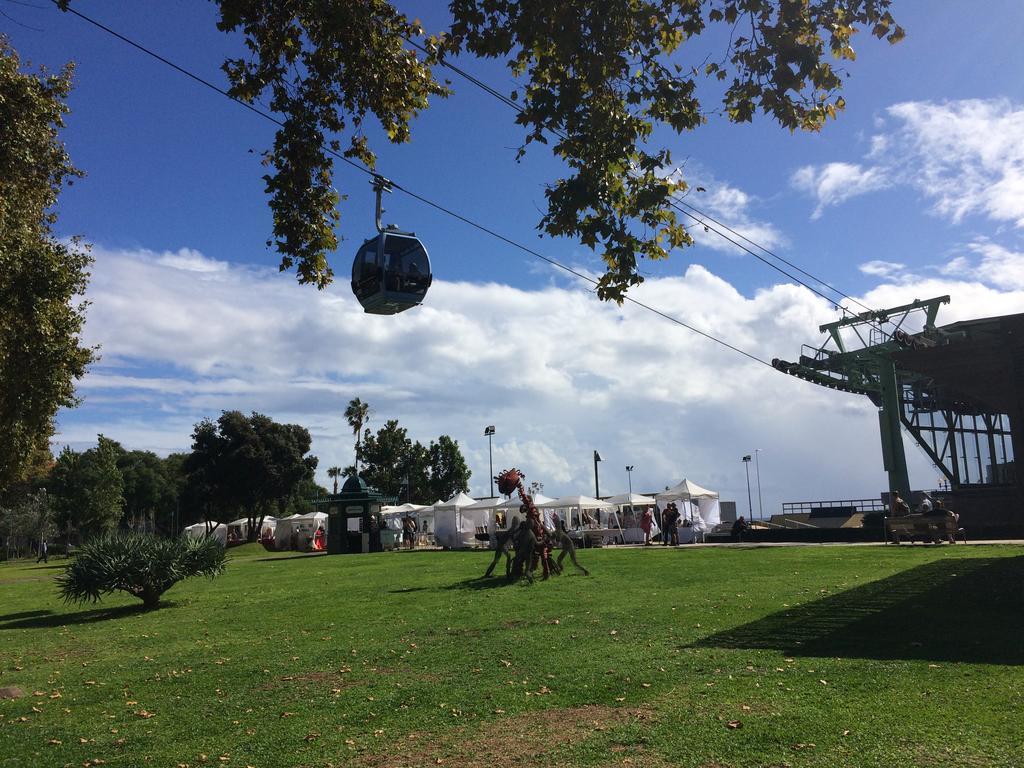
(557, 372)
(729, 205)
(994, 265)
(966, 156)
(883, 269)
(191, 261)
(835, 183)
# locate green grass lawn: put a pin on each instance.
(802, 656)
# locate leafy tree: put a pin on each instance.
(142, 565)
(397, 466)
(356, 414)
(449, 473)
(169, 513)
(41, 277)
(27, 522)
(300, 501)
(246, 464)
(148, 493)
(334, 473)
(88, 489)
(593, 77)
(385, 457)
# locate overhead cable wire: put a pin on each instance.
(414, 195)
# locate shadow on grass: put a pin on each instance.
(479, 583)
(949, 610)
(50, 620)
(23, 615)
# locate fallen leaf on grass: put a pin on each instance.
(745, 707)
(55, 741)
(802, 746)
(734, 724)
(144, 714)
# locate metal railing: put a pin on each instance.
(840, 506)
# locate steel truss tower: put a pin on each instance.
(901, 361)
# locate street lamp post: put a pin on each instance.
(629, 475)
(489, 433)
(750, 502)
(757, 469)
(597, 486)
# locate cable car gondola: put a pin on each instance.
(391, 272)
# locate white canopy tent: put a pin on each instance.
(705, 501)
(393, 515)
(425, 522)
(296, 532)
(491, 509)
(454, 527)
(632, 533)
(199, 530)
(577, 509)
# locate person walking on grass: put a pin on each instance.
(43, 550)
(645, 525)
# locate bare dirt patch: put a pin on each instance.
(509, 741)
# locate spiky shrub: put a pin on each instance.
(142, 565)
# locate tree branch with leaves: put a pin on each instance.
(596, 78)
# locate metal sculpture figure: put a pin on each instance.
(504, 541)
(511, 480)
(561, 539)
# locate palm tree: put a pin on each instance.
(334, 473)
(357, 414)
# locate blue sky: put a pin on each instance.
(917, 189)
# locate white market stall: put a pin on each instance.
(631, 509)
(699, 506)
(394, 517)
(425, 523)
(583, 513)
(298, 532)
(495, 518)
(510, 508)
(219, 531)
(454, 527)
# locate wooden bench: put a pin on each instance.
(928, 527)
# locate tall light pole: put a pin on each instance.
(750, 503)
(629, 474)
(597, 486)
(757, 468)
(489, 433)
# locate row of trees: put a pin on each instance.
(239, 466)
(397, 466)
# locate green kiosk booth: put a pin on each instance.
(354, 519)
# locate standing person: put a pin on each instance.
(645, 525)
(408, 531)
(673, 524)
(43, 550)
(664, 523)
